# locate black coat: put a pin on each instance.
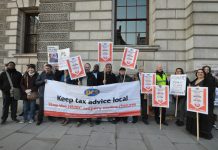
(91, 80)
(4, 82)
(110, 78)
(31, 84)
(120, 78)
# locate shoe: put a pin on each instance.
(165, 123)
(31, 121)
(125, 121)
(145, 122)
(23, 121)
(78, 124)
(21, 114)
(16, 120)
(181, 123)
(177, 122)
(157, 121)
(38, 123)
(91, 124)
(134, 121)
(98, 122)
(65, 122)
(3, 121)
(52, 119)
(114, 121)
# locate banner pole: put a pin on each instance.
(177, 98)
(160, 116)
(78, 81)
(104, 75)
(124, 76)
(197, 126)
(147, 98)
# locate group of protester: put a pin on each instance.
(32, 86)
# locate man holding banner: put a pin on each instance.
(41, 80)
(88, 80)
(161, 79)
(123, 77)
(109, 78)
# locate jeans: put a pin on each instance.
(29, 109)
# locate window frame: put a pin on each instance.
(135, 19)
(27, 33)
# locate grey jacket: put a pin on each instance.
(40, 82)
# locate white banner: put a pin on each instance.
(178, 84)
(72, 101)
(63, 55)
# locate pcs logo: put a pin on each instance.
(91, 92)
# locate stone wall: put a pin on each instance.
(183, 33)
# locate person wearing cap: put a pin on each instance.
(28, 86)
(7, 91)
(123, 77)
(47, 74)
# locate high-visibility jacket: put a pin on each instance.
(161, 81)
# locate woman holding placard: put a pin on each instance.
(205, 124)
(181, 101)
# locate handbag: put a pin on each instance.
(14, 92)
(31, 95)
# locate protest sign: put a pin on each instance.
(105, 52)
(75, 67)
(129, 59)
(52, 54)
(147, 81)
(63, 55)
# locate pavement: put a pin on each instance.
(106, 136)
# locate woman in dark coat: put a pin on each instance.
(28, 86)
(205, 124)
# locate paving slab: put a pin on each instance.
(102, 139)
(128, 133)
(15, 141)
(33, 129)
(190, 146)
(72, 142)
(105, 127)
(38, 145)
(54, 131)
(98, 148)
(130, 144)
(82, 130)
(158, 142)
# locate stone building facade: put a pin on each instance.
(182, 33)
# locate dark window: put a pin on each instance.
(31, 33)
(131, 22)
